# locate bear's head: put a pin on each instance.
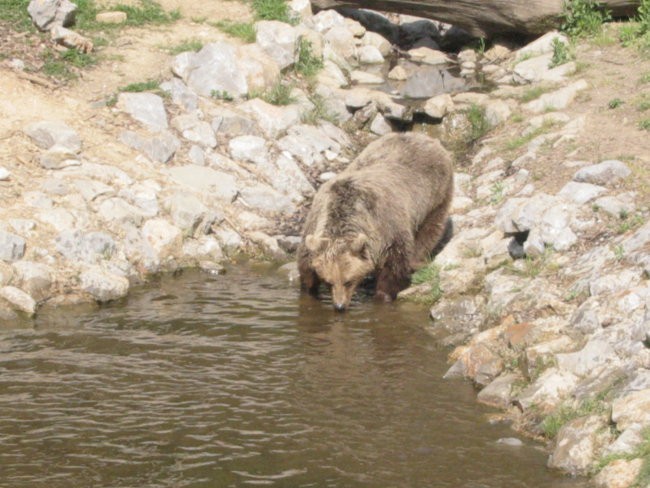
(342, 263)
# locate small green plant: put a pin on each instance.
(644, 103)
(185, 46)
(645, 124)
(429, 274)
(619, 252)
(583, 18)
(141, 86)
(496, 193)
(307, 64)
(478, 121)
(533, 93)
(272, 10)
(64, 65)
(629, 223)
(645, 79)
(638, 32)
(319, 112)
(148, 12)
(615, 103)
(552, 424)
(279, 94)
(561, 53)
(222, 95)
(480, 46)
(241, 30)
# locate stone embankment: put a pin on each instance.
(549, 313)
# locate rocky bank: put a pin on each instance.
(545, 292)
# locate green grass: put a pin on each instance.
(272, 10)
(644, 103)
(630, 223)
(141, 86)
(240, 30)
(221, 95)
(185, 46)
(615, 103)
(533, 93)
(645, 79)
(478, 121)
(64, 65)
(552, 424)
(279, 94)
(583, 18)
(637, 33)
(430, 274)
(642, 451)
(319, 112)
(307, 64)
(561, 54)
(644, 124)
(517, 142)
(15, 13)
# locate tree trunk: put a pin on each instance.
(484, 18)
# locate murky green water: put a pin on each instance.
(235, 381)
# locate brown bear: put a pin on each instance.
(383, 215)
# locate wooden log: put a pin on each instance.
(484, 18)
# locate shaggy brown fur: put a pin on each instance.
(383, 215)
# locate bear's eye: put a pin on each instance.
(347, 284)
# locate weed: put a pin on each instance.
(519, 141)
(638, 32)
(645, 124)
(644, 103)
(480, 46)
(615, 103)
(307, 64)
(148, 12)
(496, 193)
(561, 54)
(319, 112)
(62, 65)
(619, 252)
(583, 18)
(628, 224)
(141, 86)
(241, 30)
(279, 94)
(552, 424)
(645, 78)
(478, 121)
(533, 93)
(429, 274)
(185, 46)
(14, 12)
(272, 10)
(222, 95)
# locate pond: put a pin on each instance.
(238, 380)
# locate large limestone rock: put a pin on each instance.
(278, 40)
(577, 445)
(481, 18)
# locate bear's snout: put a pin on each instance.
(339, 307)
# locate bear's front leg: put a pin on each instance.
(309, 280)
(395, 275)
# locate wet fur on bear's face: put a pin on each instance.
(341, 263)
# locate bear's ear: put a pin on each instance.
(314, 243)
(359, 244)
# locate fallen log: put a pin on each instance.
(484, 18)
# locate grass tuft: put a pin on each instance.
(240, 30)
(307, 64)
(478, 121)
(272, 10)
(141, 86)
(429, 274)
(583, 18)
